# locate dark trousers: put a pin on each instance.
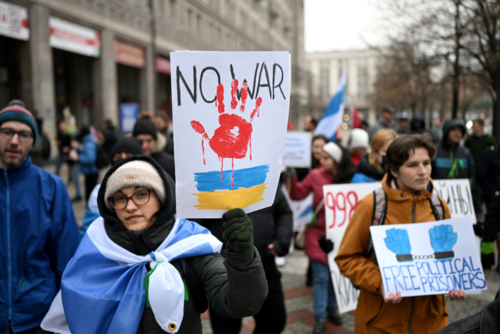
(90, 182)
(271, 319)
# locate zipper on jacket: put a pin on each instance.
(9, 265)
(413, 209)
(411, 314)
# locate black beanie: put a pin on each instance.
(127, 145)
(145, 126)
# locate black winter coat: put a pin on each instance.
(448, 154)
(488, 170)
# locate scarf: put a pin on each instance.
(105, 288)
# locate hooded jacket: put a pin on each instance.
(423, 314)
(88, 155)
(449, 155)
(235, 287)
(365, 172)
(414, 130)
(38, 237)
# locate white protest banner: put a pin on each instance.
(14, 21)
(302, 210)
(297, 149)
(428, 258)
(230, 118)
(340, 202)
(457, 194)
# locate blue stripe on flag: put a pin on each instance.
(243, 178)
(307, 211)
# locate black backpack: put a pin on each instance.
(101, 159)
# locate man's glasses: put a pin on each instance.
(119, 201)
(8, 134)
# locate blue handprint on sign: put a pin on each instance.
(398, 242)
(442, 241)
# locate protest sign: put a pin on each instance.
(302, 210)
(340, 202)
(457, 194)
(428, 258)
(230, 113)
(297, 149)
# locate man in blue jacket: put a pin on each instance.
(38, 231)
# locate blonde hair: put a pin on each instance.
(379, 140)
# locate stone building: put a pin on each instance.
(326, 69)
(95, 56)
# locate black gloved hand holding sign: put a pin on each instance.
(325, 244)
(238, 230)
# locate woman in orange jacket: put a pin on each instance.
(408, 188)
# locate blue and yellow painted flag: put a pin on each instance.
(216, 191)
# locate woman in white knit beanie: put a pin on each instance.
(140, 270)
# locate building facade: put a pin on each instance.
(326, 70)
(95, 56)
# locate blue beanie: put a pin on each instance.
(15, 112)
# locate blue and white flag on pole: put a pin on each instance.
(105, 288)
(332, 118)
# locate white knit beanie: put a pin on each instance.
(334, 151)
(135, 173)
(359, 138)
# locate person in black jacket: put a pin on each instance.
(153, 144)
(453, 161)
(488, 170)
(272, 233)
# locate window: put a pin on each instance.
(173, 8)
(324, 80)
(159, 7)
(189, 18)
(198, 24)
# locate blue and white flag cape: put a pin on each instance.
(103, 286)
(334, 113)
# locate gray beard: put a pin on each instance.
(8, 165)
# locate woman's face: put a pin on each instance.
(327, 162)
(415, 173)
(133, 216)
(317, 148)
(379, 156)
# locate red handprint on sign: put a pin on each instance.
(233, 137)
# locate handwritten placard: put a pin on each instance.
(297, 151)
(340, 203)
(230, 113)
(428, 258)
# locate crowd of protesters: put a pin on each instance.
(230, 271)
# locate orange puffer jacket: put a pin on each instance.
(424, 314)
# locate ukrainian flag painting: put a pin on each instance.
(215, 191)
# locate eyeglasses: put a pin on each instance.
(8, 134)
(119, 201)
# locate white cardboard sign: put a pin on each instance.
(340, 202)
(297, 149)
(230, 114)
(428, 258)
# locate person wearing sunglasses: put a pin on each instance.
(38, 227)
(140, 269)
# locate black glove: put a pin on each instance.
(290, 172)
(325, 244)
(238, 230)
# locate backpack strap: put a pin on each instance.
(437, 207)
(378, 218)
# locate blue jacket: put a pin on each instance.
(38, 236)
(88, 155)
(362, 178)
